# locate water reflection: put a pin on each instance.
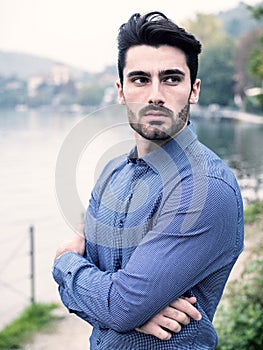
(240, 145)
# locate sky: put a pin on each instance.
(82, 33)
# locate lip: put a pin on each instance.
(155, 113)
(156, 116)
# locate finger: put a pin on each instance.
(176, 315)
(185, 306)
(169, 324)
(155, 330)
(191, 300)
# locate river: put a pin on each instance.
(32, 142)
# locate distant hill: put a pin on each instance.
(25, 65)
(238, 21)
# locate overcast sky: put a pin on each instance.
(83, 32)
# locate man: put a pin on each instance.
(164, 221)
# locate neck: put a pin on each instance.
(145, 146)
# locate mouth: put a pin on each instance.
(154, 113)
(155, 117)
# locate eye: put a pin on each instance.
(172, 79)
(140, 80)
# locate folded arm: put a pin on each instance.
(167, 321)
(163, 267)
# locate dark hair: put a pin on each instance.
(155, 29)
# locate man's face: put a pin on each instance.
(157, 91)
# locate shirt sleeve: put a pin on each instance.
(185, 246)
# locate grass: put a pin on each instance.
(34, 318)
(253, 212)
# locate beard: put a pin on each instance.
(156, 130)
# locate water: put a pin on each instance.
(30, 143)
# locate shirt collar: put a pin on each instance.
(158, 158)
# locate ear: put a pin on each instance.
(194, 97)
(121, 98)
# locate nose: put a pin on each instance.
(156, 96)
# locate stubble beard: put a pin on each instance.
(156, 131)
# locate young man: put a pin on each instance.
(164, 221)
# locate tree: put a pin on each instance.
(244, 47)
(216, 61)
(255, 61)
(256, 11)
(216, 74)
(90, 95)
(207, 29)
(255, 64)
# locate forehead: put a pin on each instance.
(149, 58)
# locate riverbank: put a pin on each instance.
(217, 113)
(72, 333)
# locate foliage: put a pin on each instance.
(90, 95)
(216, 74)
(230, 63)
(242, 53)
(255, 64)
(240, 324)
(216, 63)
(202, 27)
(253, 212)
(239, 321)
(256, 11)
(33, 319)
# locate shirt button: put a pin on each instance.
(120, 224)
(118, 265)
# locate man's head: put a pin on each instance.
(158, 64)
(155, 29)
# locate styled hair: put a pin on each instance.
(155, 29)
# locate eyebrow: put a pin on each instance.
(138, 73)
(171, 72)
(161, 73)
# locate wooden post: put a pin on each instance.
(32, 263)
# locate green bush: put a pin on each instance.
(253, 212)
(239, 322)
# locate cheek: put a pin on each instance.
(134, 107)
(134, 96)
(178, 99)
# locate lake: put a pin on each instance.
(39, 149)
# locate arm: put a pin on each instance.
(128, 298)
(167, 321)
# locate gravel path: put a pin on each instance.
(70, 333)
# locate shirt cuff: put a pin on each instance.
(65, 265)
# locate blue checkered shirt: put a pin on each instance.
(167, 225)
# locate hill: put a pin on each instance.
(24, 65)
(238, 21)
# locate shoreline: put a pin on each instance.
(217, 113)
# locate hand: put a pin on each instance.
(171, 319)
(75, 245)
